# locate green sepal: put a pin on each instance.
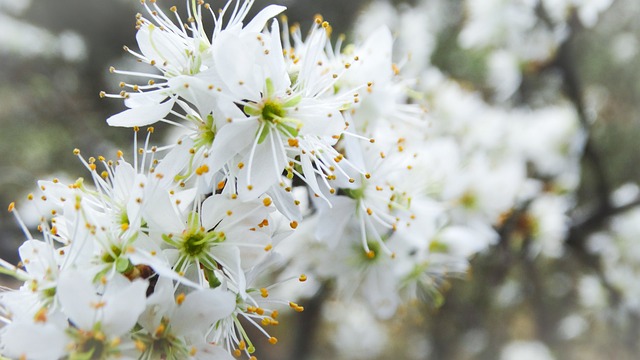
(263, 134)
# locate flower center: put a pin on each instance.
(272, 111)
(206, 132)
(194, 244)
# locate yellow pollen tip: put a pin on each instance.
(41, 316)
(267, 201)
(264, 292)
(180, 298)
(371, 254)
(12, 206)
(302, 278)
(293, 224)
(159, 330)
(202, 170)
(140, 346)
(268, 247)
(273, 340)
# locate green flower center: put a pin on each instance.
(206, 132)
(272, 110)
(194, 244)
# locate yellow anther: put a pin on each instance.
(293, 142)
(202, 169)
(180, 298)
(268, 247)
(369, 211)
(302, 278)
(41, 315)
(273, 340)
(293, 224)
(140, 346)
(12, 206)
(264, 292)
(267, 201)
(237, 352)
(124, 226)
(260, 311)
(160, 330)
(274, 314)
(76, 151)
(242, 345)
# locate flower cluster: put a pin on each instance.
(291, 154)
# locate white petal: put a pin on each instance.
(266, 168)
(78, 298)
(235, 60)
(333, 221)
(37, 342)
(123, 306)
(142, 115)
(162, 47)
(230, 140)
(201, 309)
(211, 352)
(37, 257)
(260, 20)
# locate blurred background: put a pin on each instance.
(54, 61)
